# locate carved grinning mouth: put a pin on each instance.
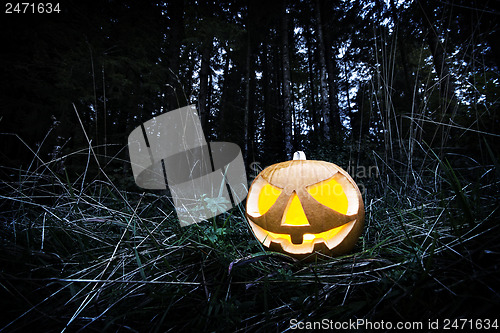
(331, 238)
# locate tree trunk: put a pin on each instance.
(402, 50)
(204, 87)
(246, 121)
(249, 124)
(266, 89)
(446, 86)
(325, 116)
(174, 88)
(210, 127)
(312, 108)
(429, 27)
(287, 93)
(223, 123)
(332, 76)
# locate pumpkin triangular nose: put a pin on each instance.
(294, 213)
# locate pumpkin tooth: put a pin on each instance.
(296, 238)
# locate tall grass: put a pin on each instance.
(88, 255)
(83, 253)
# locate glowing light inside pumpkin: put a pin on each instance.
(331, 237)
(294, 213)
(308, 237)
(331, 194)
(267, 197)
(325, 183)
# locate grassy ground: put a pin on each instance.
(86, 255)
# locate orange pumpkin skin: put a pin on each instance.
(301, 207)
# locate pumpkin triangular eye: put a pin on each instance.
(331, 194)
(267, 197)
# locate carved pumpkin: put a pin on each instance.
(302, 206)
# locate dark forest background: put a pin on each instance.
(273, 77)
(410, 89)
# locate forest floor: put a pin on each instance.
(87, 255)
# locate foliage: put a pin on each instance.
(93, 256)
(415, 85)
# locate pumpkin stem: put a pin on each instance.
(299, 155)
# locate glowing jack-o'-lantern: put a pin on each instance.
(303, 206)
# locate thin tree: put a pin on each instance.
(174, 88)
(327, 30)
(204, 83)
(447, 88)
(325, 106)
(287, 93)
